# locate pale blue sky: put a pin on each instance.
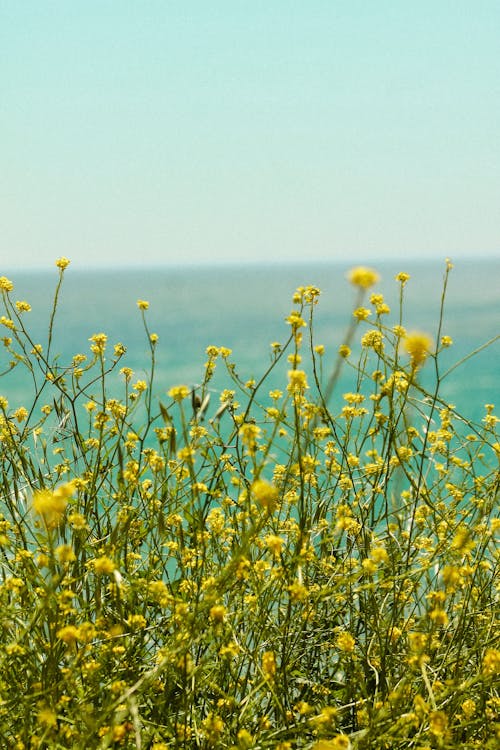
(229, 130)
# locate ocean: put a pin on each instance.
(244, 307)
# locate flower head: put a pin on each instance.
(363, 277)
(418, 345)
(51, 505)
(265, 493)
(62, 263)
(178, 392)
(6, 284)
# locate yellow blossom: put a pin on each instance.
(274, 544)
(98, 344)
(269, 665)
(47, 717)
(68, 634)
(65, 553)
(213, 727)
(6, 284)
(142, 304)
(418, 346)
(438, 723)
(62, 263)
(361, 313)
(363, 277)
(345, 642)
(217, 613)
(178, 392)
(491, 662)
(265, 493)
(103, 565)
(51, 505)
(297, 381)
(338, 742)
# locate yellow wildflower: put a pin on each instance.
(51, 505)
(418, 346)
(361, 313)
(62, 263)
(438, 723)
(297, 381)
(269, 665)
(345, 642)
(491, 661)
(103, 565)
(68, 634)
(142, 304)
(265, 493)
(339, 742)
(178, 392)
(363, 277)
(6, 284)
(217, 613)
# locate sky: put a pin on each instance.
(159, 132)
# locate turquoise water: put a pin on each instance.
(244, 308)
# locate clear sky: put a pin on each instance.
(160, 131)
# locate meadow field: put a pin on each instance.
(257, 567)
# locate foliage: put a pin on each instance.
(270, 572)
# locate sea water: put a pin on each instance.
(244, 308)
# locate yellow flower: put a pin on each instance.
(265, 493)
(217, 613)
(142, 304)
(345, 642)
(23, 306)
(47, 718)
(418, 346)
(7, 322)
(438, 723)
(103, 565)
(249, 434)
(469, 708)
(51, 505)
(62, 263)
(295, 320)
(491, 662)
(363, 277)
(339, 742)
(68, 634)
(297, 381)
(362, 313)
(178, 392)
(213, 727)
(136, 622)
(269, 665)
(21, 414)
(344, 351)
(274, 543)
(65, 553)
(402, 277)
(6, 284)
(245, 739)
(98, 343)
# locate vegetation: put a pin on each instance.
(265, 573)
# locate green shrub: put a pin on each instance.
(267, 572)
